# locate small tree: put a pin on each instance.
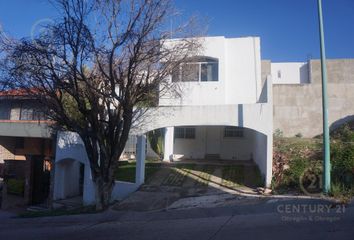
(94, 66)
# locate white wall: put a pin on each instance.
(70, 146)
(243, 70)
(68, 171)
(239, 74)
(290, 73)
(206, 136)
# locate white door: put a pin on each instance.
(213, 139)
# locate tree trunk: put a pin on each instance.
(103, 190)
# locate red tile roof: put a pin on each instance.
(17, 92)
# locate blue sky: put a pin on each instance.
(288, 28)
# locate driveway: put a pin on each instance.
(198, 183)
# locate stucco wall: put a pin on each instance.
(239, 75)
(70, 151)
(68, 172)
(290, 73)
(226, 148)
(298, 108)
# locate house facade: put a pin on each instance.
(26, 150)
(230, 105)
(224, 112)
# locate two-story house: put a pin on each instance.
(224, 112)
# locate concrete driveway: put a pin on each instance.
(197, 183)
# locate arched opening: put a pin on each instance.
(218, 145)
(69, 179)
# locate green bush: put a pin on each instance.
(343, 163)
(344, 134)
(156, 139)
(278, 133)
(298, 135)
(15, 186)
(297, 168)
(342, 192)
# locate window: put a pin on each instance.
(279, 74)
(233, 132)
(31, 111)
(190, 72)
(26, 113)
(5, 111)
(185, 132)
(209, 72)
(198, 69)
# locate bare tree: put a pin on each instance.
(95, 66)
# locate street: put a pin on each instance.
(271, 219)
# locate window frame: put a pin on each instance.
(234, 132)
(183, 133)
(200, 60)
(5, 108)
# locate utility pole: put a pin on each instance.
(326, 146)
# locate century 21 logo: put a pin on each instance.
(311, 181)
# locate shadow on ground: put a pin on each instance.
(193, 183)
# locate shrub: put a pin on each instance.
(278, 133)
(156, 139)
(292, 175)
(15, 186)
(298, 135)
(343, 163)
(344, 133)
(342, 192)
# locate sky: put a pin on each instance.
(288, 28)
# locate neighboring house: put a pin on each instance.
(25, 150)
(231, 104)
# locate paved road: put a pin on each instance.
(274, 219)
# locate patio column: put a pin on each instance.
(140, 159)
(168, 144)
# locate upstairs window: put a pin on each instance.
(185, 132)
(31, 111)
(198, 69)
(5, 109)
(233, 132)
(26, 112)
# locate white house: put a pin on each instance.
(231, 104)
(225, 112)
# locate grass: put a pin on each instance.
(204, 175)
(178, 174)
(126, 171)
(233, 176)
(58, 212)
